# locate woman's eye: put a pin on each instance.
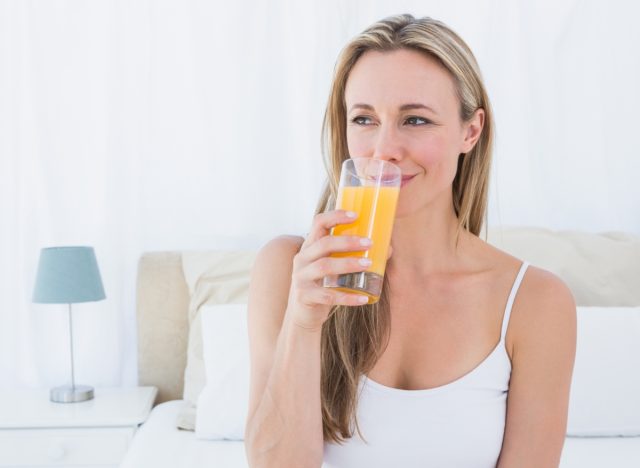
(417, 121)
(414, 121)
(361, 120)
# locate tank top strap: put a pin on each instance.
(512, 296)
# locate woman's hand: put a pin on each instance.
(310, 302)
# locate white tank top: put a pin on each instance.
(460, 424)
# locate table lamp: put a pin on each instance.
(68, 275)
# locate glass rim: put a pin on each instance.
(393, 172)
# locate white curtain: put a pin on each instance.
(133, 126)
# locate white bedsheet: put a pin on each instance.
(158, 444)
(601, 452)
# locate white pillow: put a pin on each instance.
(605, 390)
(224, 401)
(213, 277)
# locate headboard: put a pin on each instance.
(162, 301)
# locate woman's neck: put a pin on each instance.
(424, 243)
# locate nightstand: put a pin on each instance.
(37, 432)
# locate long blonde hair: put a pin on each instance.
(353, 338)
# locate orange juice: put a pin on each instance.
(376, 208)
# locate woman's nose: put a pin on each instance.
(388, 145)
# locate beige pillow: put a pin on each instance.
(213, 277)
(600, 269)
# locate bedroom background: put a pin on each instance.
(134, 126)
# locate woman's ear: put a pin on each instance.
(472, 130)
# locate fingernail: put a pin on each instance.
(351, 214)
(364, 262)
(363, 299)
(365, 241)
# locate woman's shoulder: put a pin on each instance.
(276, 255)
(544, 305)
(284, 244)
(543, 312)
(542, 295)
(538, 287)
(271, 277)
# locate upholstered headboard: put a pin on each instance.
(163, 327)
(601, 270)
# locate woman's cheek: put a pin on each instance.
(357, 144)
(431, 152)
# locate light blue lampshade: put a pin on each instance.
(67, 275)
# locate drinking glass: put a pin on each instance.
(370, 187)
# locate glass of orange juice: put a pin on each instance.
(370, 187)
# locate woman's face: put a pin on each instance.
(402, 107)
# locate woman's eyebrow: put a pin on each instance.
(404, 107)
(361, 106)
(416, 105)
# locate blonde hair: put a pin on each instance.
(353, 338)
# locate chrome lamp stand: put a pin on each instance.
(71, 393)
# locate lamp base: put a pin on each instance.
(69, 394)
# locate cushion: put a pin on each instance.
(605, 390)
(223, 403)
(600, 269)
(213, 277)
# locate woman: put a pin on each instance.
(416, 379)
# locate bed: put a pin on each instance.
(601, 269)
(160, 444)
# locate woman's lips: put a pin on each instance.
(406, 179)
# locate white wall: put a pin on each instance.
(157, 125)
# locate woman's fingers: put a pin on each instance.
(332, 297)
(314, 262)
(323, 222)
(316, 271)
(330, 244)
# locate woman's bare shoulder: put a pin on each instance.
(543, 314)
(271, 272)
(540, 288)
(543, 290)
(284, 244)
(543, 300)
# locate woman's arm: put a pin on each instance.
(284, 424)
(544, 346)
(287, 308)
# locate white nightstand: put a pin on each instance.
(37, 432)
